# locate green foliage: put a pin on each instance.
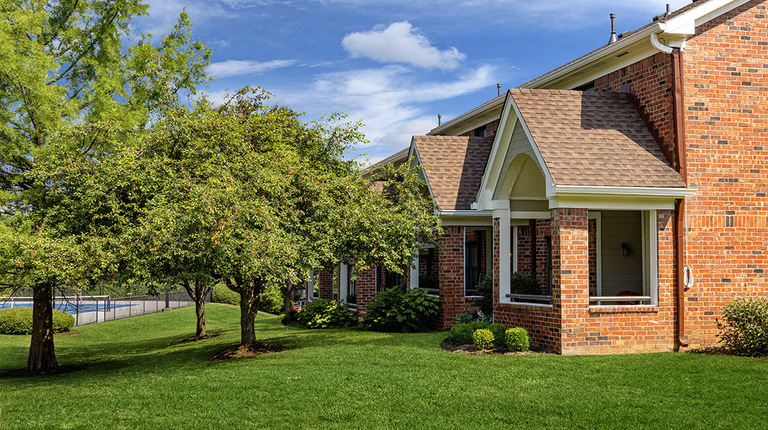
(482, 339)
(19, 321)
(461, 334)
(322, 313)
(222, 294)
(499, 334)
(287, 317)
(485, 291)
(744, 329)
(271, 299)
(517, 339)
(524, 284)
(476, 325)
(473, 316)
(395, 310)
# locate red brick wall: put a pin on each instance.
(525, 254)
(726, 125)
(490, 129)
(452, 300)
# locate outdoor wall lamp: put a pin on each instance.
(625, 249)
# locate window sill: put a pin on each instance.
(618, 309)
(518, 305)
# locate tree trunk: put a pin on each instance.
(287, 296)
(199, 294)
(42, 357)
(250, 298)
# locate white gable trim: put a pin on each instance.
(415, 160)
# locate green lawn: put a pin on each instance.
(139, 376)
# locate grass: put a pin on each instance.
(139, 376)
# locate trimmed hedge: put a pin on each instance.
(19, 321)
(482, 339)
(499, 334)
(517, 339)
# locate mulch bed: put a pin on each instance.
(243, 351)
(470, 349)
(196, 338)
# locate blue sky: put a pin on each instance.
(394, 64)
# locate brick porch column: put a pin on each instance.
(325, 283)
(366, 289)
(451, 274)
(570, 272)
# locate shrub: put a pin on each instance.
(485, 291)
(395, 310)
(460, 334)
(744, 329)
(19, 321)
(222, 294)
(286, 318)
(517, 339)
(499, 334)
(323, 313)
(467, 317)
(524, 284)
(482, 339)
(477, 325)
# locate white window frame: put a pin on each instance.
(650, 259)
(488, 239)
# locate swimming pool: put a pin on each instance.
(70, 308)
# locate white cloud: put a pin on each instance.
(400, 43)
(392, 104)
(224, 69)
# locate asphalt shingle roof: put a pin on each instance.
(594, 139)
(455, 166)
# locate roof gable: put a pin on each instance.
(593, 139)
(454, 166)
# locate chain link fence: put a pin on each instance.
(91, 309)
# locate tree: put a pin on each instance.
(68, 89)
(255, 196)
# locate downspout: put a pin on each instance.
(679, 112)
(679, 120)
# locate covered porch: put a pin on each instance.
(583, 204)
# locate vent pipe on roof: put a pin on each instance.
(498, 89)
(613, 29)
(439, 119)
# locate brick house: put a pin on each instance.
(630, 182)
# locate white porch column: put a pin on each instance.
(415, 271)
(311, 286)
(343, 282)
(505, 248)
